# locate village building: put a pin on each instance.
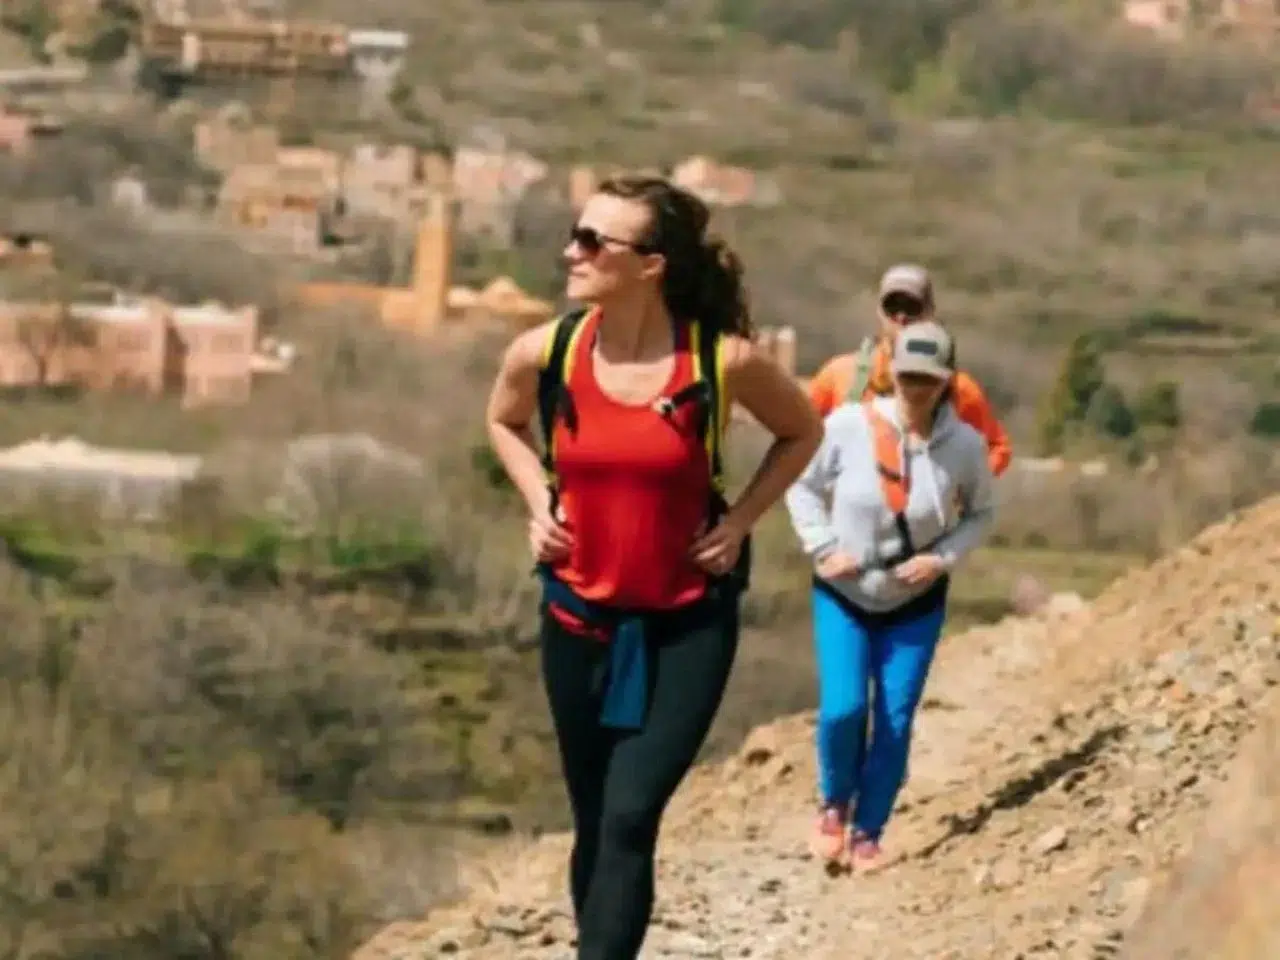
(204, 354)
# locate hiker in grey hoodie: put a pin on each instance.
(898, 494)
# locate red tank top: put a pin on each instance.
(635, 487)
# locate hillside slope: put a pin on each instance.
(1037, 230)
(1221, 903)
(1063, 765)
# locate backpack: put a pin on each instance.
(707, 390)
(862, 370)
(865, 360)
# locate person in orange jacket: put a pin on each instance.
(906, 297)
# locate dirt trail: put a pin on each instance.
(1063, 764)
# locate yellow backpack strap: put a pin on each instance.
(708, 371)
(709, 357)
(720, 419)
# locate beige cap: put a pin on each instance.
(908, 278)
(924, 348)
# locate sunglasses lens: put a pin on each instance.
(919, 381)
(897, 304)
(586, 239)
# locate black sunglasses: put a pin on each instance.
(920, 380)
(902, 305)
(591, 241)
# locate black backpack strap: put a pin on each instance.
(554, 399)
(710, 378)
(705, 391)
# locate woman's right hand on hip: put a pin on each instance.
(836, 566)
(549, 539)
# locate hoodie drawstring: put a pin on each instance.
(935, 492)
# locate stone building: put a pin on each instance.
(204, 353)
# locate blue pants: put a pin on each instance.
(859, 653)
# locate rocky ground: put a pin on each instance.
(1221, 902)
(1064, 762)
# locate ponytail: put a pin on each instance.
(714, 292)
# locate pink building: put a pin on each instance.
(202, 353)
(723, 185)
(1164, 18)
(380, 180)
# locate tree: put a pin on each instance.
(1080, 378)
(1109, 413)
(49, 335)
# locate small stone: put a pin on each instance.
(1005, 874)
(688, 945)
(761, 746)
(1063, 605)
(512, 926)
(1122, 815)
(457, 939)
(1050, 841)
(1134, 898)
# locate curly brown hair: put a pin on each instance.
(704, 276)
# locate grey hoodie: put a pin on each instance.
(837, 503)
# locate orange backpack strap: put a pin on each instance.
(894, 481)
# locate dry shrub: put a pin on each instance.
(183, 266)
(101, 861)
(424, 400)
(1130, 510)
(93, 150)
(181, 767)
(1006, 61)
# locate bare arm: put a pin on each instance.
(782, 407)
(513, 402)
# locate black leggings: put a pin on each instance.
(620, 782)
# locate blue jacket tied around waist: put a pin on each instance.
(626, 696)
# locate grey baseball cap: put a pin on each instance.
(909, 278)
(924, 348)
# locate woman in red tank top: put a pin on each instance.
(637, 552)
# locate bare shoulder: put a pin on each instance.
(743, 356)
(527, 348)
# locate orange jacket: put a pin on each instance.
(830, 387)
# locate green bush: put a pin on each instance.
(1157, 405)
(1109, 413)
(1265, 421)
